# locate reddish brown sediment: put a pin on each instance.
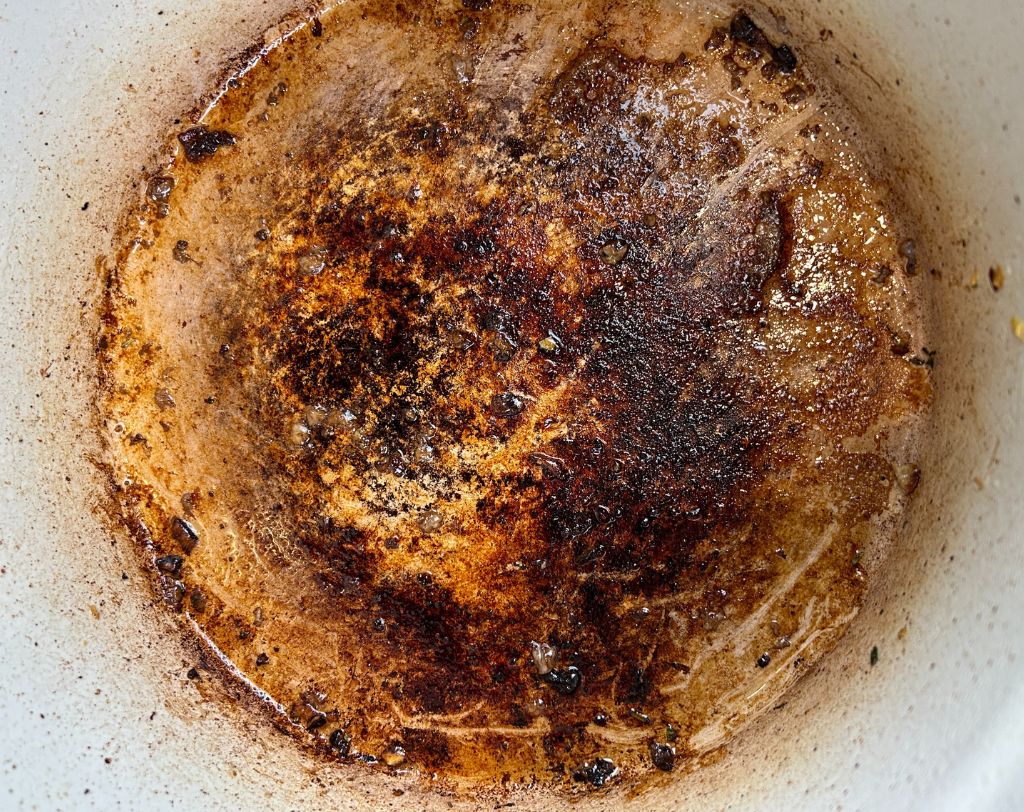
(519, 387)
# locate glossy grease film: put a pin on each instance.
(515, 393)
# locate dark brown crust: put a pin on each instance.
(549, 386)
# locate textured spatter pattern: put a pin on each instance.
(501, 388)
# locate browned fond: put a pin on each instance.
(505, 387)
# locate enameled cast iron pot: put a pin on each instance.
(96, 709)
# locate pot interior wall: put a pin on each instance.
(91, 668)
(931, 724)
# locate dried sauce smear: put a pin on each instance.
(536, 382)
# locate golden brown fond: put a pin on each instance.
(538, 383)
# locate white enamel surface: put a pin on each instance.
(90, 87)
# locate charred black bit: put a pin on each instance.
(764, 660)
(717, 39)
(274, 96)
(873, 659)
(180, 252)
(316, 721)
(197, 598)
(784, 57)
(597, 773)
(201, 143)
(900, 342)
(184, 533)
(564, 680)
(340, 742)
(193, 673)
(316, 27)
(171, 564)
(159, 188)
(743, 29)
(795, 94)
(506, 405)
(663, 756)
(173, 591)
(262, 658)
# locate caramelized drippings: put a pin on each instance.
(528, 398)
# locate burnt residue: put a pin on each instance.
(200, 143)
(663, 756)
(745, 31)
(508, 404)
(597, 773)
(184, 534)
